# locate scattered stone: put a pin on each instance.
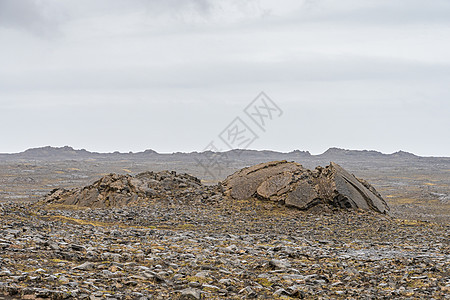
(227, 249)
(190, 293)
(279, 264)
(87, 266)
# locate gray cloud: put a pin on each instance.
(32, 16)
(20, 13)
(385, 13)
(382, 13)
(44, 18)
(220, 73)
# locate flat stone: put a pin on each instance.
(279, 264)
(190, 293)
(87, 266)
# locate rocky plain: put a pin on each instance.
(81, 225)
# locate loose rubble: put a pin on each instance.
(116, 190)
(228, 249)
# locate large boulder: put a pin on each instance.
(296, 186)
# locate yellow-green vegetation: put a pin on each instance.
(411, 222)
(186, 226)
(264, 282)
(76, 221)
(405, 201)
(56, 260)
(56, 206)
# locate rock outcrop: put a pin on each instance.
(296, 186)
(280, 181)
(116, 190)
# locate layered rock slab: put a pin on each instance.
(296, 186)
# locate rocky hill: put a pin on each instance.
(116, 190)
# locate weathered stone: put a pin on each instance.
(87, 266)
(298, 187)
(190, 293)
(116, 190)
(273, 185)
(245, 182)
(279, 264)
(303, 196)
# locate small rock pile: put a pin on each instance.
(116, 190)
(295, 186)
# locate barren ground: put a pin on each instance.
(227, 249)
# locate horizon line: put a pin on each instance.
(203, 151)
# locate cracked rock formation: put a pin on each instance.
(280, 181)
(296, 186)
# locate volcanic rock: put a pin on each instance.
(279, 181)
(116, 190)
(296, 186)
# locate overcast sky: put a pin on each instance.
(171, 75)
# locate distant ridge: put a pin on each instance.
(366, 153)
(404, 154)
(345, 152)
(49, 151)
(67, 152)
